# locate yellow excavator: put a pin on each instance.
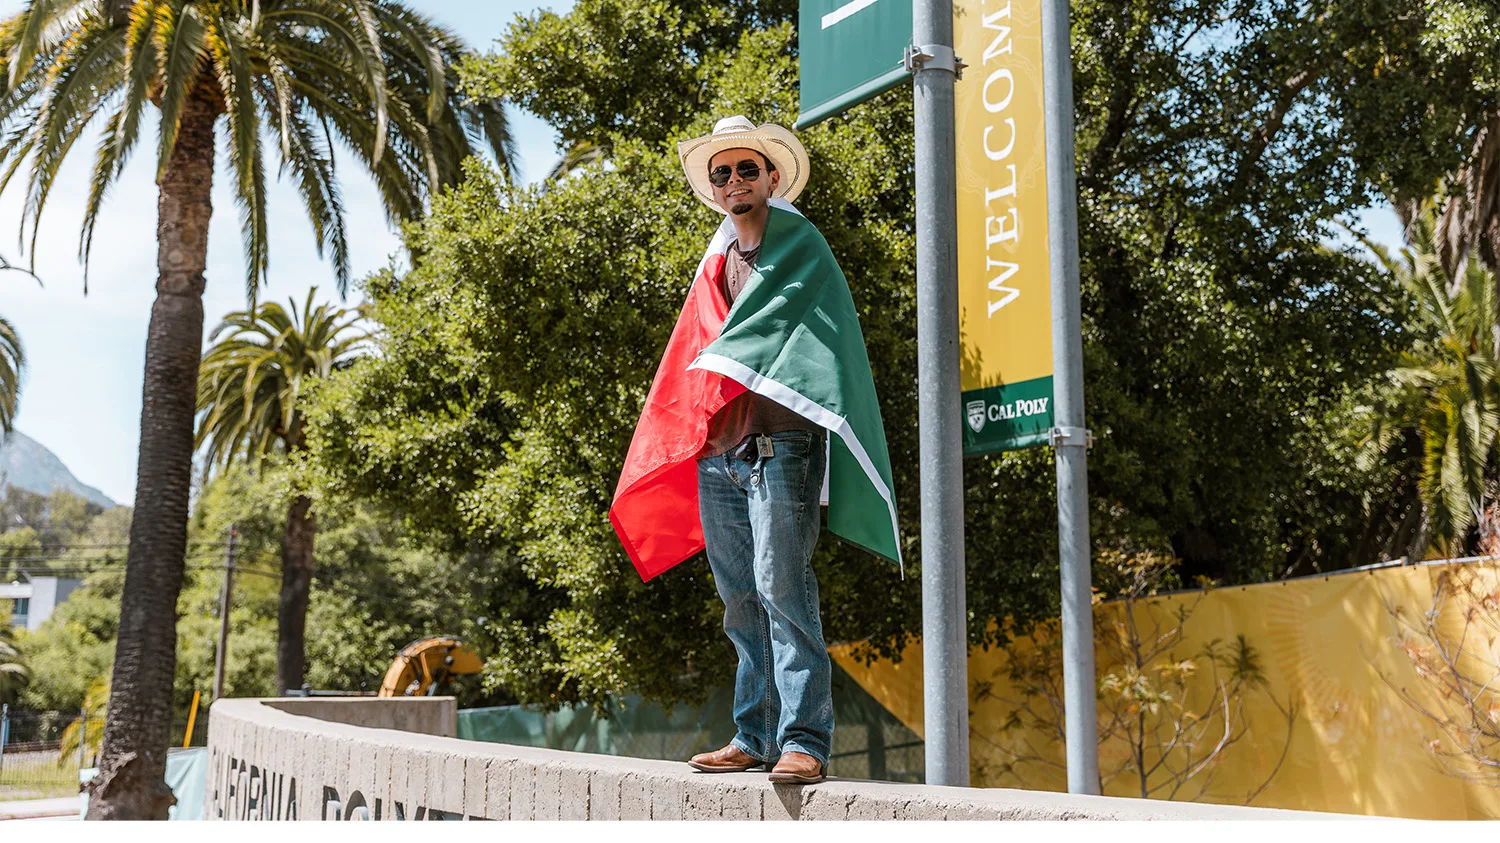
(423, 666)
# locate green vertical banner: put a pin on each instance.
(1004, 278)
(850, 50)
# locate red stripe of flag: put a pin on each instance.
(655, 511)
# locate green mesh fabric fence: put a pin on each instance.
(868, 741)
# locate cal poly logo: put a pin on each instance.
(976, 415)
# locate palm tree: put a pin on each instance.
(1468, 220)
(248, 391)
(88, 727)
(12, 361)
(578, 156)
(1447, 386)
(14, 674)
(305, 74)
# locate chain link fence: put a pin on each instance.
(42, 752)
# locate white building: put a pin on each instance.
(35, 598)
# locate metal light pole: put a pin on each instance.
(221, 657)
(944, 613)
(1069, 437)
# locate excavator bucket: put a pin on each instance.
(423, 666)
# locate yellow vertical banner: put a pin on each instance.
(1004, 283)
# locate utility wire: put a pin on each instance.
(108, 559)
(325, 583)
(105, 562)
(118, 545)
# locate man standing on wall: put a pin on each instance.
(763, 407)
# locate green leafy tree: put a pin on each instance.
(74, 648)
(250, 386)
(307, 74)
(1468, 220)
(548, 343)
(375, 594)
(1216, 144)
(18, 549)
(64, 535)
(612, 69)
(1446, 389)
(520, 429)
(42, 527)
(12, 364)
(1226, 348)
(527, 333)
(61, 534)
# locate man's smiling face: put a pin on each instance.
(739, 196)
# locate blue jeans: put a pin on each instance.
(760, 523)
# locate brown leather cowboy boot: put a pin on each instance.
(730, 759)
(797, 768)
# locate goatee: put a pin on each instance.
(741, 208)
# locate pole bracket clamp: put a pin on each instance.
(932, 57)
(1070, 437)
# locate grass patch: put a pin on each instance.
(36, 775)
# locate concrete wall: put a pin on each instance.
(294, 759)
(422, 715)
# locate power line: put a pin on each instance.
(116, 546)
(43, 557)
(81, 560)
(86, 566)
(324, 583)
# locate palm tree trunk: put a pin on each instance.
(296, 585)
(131, 784)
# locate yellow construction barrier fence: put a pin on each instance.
(1322, 725)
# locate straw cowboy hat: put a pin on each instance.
(779, 145)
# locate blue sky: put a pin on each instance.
(82, 393)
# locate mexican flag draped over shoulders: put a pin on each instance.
(792, 336)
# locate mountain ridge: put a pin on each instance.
(27, 464)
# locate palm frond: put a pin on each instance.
(183, 49)
(1447, 387)
(231, 40)
(34, 22)
(370, 74)
(584, 153)
(12, 364)
(252, 377)
(1469, 223)
(87, 66)
(311, 163)
(373, 64)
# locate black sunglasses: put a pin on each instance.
(748, 170)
